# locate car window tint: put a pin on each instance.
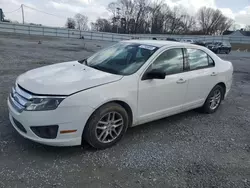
(210, 61)
(121, 58)
(170, 61)
(197, 59)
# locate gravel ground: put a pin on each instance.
(185, 150)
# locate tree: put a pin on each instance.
(235, 27)
(81, 21)
(70, 23)
(157, 20)
(225, 25)
(211, 21)
(141, 16)
(247, 28)
(102, 25)
(188, 23)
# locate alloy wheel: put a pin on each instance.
(215, 99)
(109, 127)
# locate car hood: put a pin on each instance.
(64, 79)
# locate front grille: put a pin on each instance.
(19, 98)
(19, 125)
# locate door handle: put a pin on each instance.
(181, 81)
(213, 74)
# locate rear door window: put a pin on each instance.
(198, 59)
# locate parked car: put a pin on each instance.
(187, 41)
(207, 44)
(200, 43)
(171, 39)
(127, 84)
(220, 47)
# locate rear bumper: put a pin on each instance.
(228, 87)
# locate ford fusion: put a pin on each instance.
(130, 83)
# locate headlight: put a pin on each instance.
(41, 104)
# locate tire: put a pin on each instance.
(95, 132)
(228, 51)
(208, 107)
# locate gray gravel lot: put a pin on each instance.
(186, 150)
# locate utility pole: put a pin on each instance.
(118, 17)
(22, 12)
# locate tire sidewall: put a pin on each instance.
(89, 131)
(206, 105)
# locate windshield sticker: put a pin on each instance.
(147, 47)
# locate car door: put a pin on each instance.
(223, 47)
(158, 98)
(202, 77)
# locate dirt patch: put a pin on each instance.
(241, 47)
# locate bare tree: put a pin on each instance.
(157, 21)
(81, 21)
(188, 23)
(70, 23)
(112, 8)
(225, 26)
(103, 25)
(247, 28)
(175, 20)
(141, 16)
(235, 27)
(211, 21)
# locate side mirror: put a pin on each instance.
(154, 74)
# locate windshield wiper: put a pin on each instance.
(105, 69)
(83, 61)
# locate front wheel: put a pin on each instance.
(213, 100)
(106, 126)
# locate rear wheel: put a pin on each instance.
(213, 100)
(106, 126)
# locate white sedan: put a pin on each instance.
(127, 84)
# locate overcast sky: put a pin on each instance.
(239, 10)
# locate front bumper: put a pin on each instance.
(67, 118)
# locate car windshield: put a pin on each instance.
(122, 58)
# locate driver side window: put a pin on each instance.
(170, 61)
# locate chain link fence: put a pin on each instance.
(94, 35)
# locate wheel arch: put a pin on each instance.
(125, 105)
(223, 85)
(128, 110)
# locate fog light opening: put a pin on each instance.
(49, 132)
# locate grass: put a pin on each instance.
(241, 47)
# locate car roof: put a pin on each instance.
(158, 43)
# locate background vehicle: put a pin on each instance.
(127, 84)
(220, 47)
(190, 41)
(171, 39)
(200, 43)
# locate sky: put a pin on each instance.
(239, 10)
